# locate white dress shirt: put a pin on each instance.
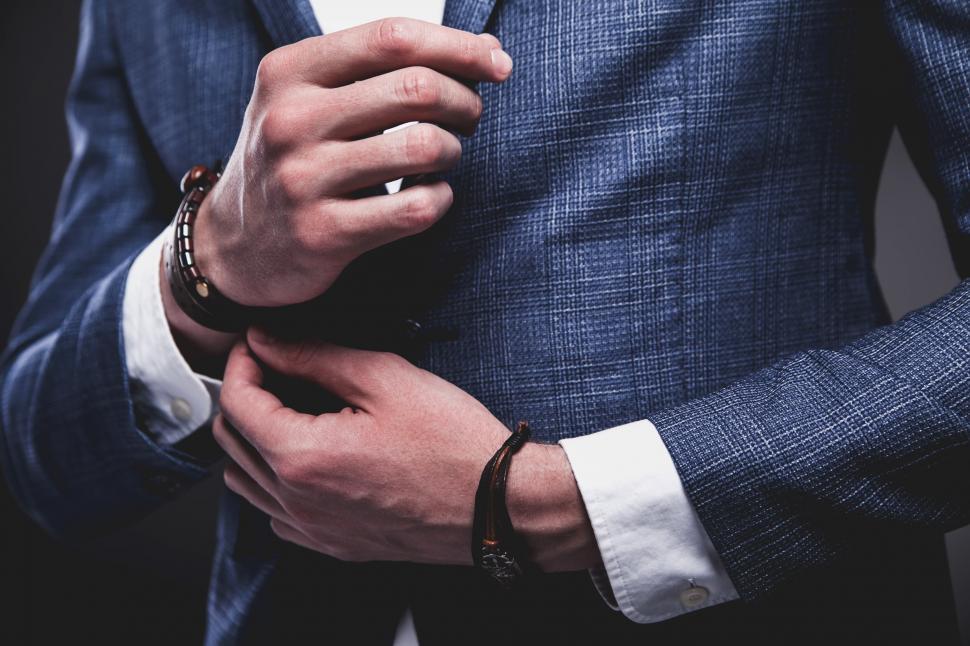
(658, 561)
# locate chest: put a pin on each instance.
(601, 66)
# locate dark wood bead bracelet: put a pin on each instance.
(193, 292)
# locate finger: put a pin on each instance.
(492, 40)
(371, 222)
(410, 94)
(421, 148)
(238, 481)
(353, 375)
(291, 534)
(384, 45)
(259, 416)
(243, 454)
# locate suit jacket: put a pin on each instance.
(665, 214)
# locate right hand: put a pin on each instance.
(282, 223)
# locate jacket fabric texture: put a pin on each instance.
(665, 213)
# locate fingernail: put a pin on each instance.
(502, 62)
(261, 335)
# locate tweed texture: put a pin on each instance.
(666, 198)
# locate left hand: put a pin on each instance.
(392, 476)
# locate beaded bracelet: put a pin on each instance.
(193, 292)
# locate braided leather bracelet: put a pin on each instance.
(496, 548)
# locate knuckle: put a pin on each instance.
(425, 144)
(344, 240)
(394, 37)
(477, 107)
(292, 472)
(383, 360)
(420, 211)
(272, 68)
(305, 234)
(340, 236)
(389, 364)
(278, 126)
(292, 180)
(332, 226)
(427, 208)
(419, 88)
(493, 41)
(468, 49)
(316, 230)
(363, 497)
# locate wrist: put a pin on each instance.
(547, 510)
(209, 252)
(204, 349)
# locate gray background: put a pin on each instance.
(912, 259)
(146, 584)
(914, 268)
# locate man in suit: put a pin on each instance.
(655, 249)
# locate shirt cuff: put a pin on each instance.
(658, 560)
(170, 399)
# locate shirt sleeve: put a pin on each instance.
(170, 399)
(658, 561)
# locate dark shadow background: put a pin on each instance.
(147, 584)
(143, 585)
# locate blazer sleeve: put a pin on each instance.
(71, 450)
(793, 466)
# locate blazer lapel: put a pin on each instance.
(469, 15)
(287, 21)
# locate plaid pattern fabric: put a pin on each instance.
(665, 214)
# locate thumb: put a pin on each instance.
(335, 368)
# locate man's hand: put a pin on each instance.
(393, 475)
(282, 223)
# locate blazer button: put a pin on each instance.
(412, 329)
(162, 484)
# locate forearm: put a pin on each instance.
(72, 453)
(869, 440)
(100, 399)
(204, 349)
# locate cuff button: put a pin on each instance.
(180, 409)
(694, 597)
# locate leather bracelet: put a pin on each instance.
(496, 548)
(192, 291)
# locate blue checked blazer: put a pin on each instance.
(665, 214)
